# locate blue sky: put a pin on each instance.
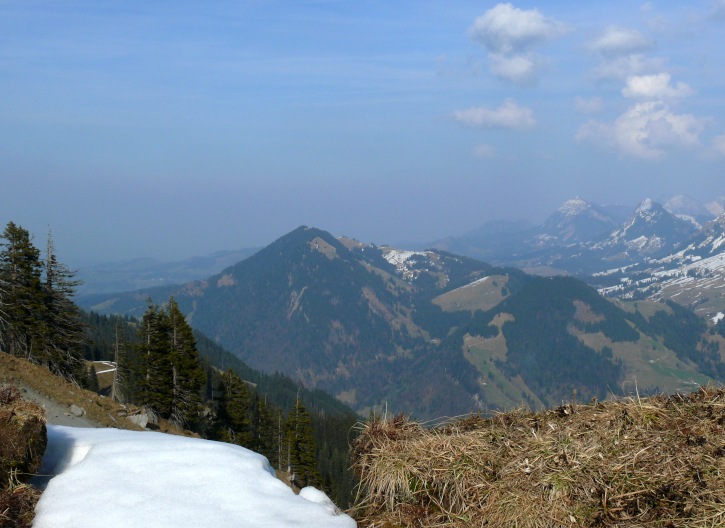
(172, 129)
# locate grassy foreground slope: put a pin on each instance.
(656, 461)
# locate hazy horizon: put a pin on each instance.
(174, 129)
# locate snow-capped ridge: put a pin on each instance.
(574, 206)
(646, 205)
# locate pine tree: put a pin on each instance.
(156, 375)
(63, 329)
(22, 295)
(302, 463)
(235, 401)
(171, 374)
(188, 376)
(265, 421)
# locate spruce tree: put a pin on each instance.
(235, 401)
(156, 375)
(64, 330)
(188, 377)
(302, 462)
(22, 295)
(265, 421)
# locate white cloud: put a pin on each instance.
(484, 151)
(508, 115)
(621, 53)
(619, 68)
(646, 130)
(510, 36)
(617, 41)
(588, 106)
(655, 87)
(520, 69)
(507, 29)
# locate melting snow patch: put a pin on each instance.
(718, 317)
(119, 479)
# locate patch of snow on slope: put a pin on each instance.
(129, 479)
(398, 257)
(476, 282)
(718, 317)
(574, 206)
(717, 243)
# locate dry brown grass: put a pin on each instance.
(22, 443)
(657, 461)
(17, 505)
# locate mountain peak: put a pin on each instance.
(646, 205)
(574, 206)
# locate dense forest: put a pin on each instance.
(170, 370)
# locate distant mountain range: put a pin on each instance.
(435, 333)
(634, 257)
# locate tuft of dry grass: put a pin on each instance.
(23, 439)
(656, 461)
(17, 505)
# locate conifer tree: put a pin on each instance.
(22, 301)
(264, 427)
(302, 463)
(62, 320)
(235, 401)
(172, 376)
(156, 375)
(188, 376)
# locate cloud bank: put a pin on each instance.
(646, 130)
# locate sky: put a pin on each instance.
(174, 129)
(167, 481)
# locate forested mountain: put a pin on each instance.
(433, 333)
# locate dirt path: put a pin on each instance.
(55, 413)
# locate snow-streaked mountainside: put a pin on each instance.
(583, 237)
(649, 231)
(693, 276)
(127, 479)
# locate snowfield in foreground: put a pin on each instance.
(114, 478)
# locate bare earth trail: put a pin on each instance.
(55, 413)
